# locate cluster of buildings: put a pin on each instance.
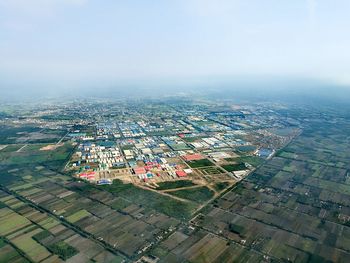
(151, 169)
(175, 143)
(131, 129)
(163, 145)
(107, 131)
(206, 125)
(165, 126)
(91, 156)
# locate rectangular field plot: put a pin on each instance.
(11, 221)
(9, 254)
(30, 247)
(78, 215)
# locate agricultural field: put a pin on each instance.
(174, 184)
(29, 134)
(201, 246)
(30, 154)
(198, 194)
(234, 167)
(200, 163)
(295, 207)
(252, 160)
(9, 254)
(78, 215)
(292, 207)
(221, 186)
(31, 235)
(90, 209)
(211, 170)
(163, 204)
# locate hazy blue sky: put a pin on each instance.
(74, 42)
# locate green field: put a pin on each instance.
(11, 221)
(210, 170)
(28, 134)
(174, 184)
(246, 149)
(234, 167)
(9, 254)
(198, 194)
(9, 134)
(221, 186)
(200, 163)
(77, 216)
(252, 160)
(63, 250)
(29, 246)
(149, 199)
(49, 223)
(32, 154)
(11, 148)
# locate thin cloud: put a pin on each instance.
(209, 8)
(23, 15)
(312, 6)
(36, 4)
(17, 8)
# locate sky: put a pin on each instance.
(57, 44)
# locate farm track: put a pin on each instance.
(180, 188)
(20, 149)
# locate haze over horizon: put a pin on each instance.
(53, 45)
